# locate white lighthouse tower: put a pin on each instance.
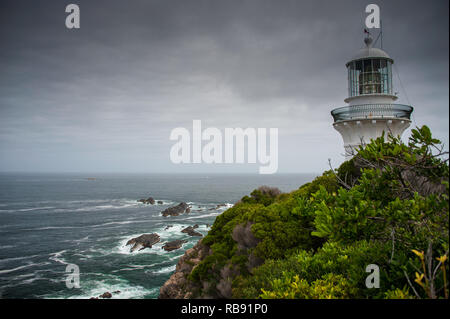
(371, 109)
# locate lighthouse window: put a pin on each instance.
(370, 78)
(354, 69)
(376, 65)
(352, 79)
(349, 79)
(384, 77)
(390, 77)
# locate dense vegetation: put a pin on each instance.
(387, 206)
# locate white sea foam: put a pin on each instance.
(123, 249)
(5, 260)
(215, 213)
(97, 208)
(135, 267)
(125, 222)
(165, 202)
(175, 257)
(6, 271)
(6, 247)
(30, 280)
(127, 291)
(101, 205)
(197, 207)
(71, 209)
(54, 227)
(21, 210)
(174, 232)
(77, 241)
(165, 270)
(57, 257)
(170, 234)
(25, 275)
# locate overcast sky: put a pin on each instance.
(105, 97)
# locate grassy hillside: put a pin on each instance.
(388, 206)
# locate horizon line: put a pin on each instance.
(155, 173)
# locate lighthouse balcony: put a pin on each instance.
(372, 111)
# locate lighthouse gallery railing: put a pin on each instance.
(372, 111)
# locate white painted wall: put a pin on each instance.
(357, 132)
(371, 99)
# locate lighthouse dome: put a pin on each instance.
(370, 52)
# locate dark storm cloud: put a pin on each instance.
(106, 96)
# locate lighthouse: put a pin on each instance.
(371, 109)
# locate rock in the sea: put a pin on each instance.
(143, 241)
(168, 226)
(191, 232)
(172, 245)
(149, 200)
(160, 202)
(176, 210)
(106, 295)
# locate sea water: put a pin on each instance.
(48, 221)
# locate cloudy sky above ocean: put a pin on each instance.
(105, 97)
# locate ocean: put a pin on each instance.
(48, 221)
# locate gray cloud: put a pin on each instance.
(105, 97)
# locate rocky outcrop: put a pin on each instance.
(149, 200)
(218, 206)
(143, 241)
(191, 232)
(181, 208)
(178, 286)
(106, 295)
(172, 245)
(160, 202)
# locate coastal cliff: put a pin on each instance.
(388, 206)
(178, 286)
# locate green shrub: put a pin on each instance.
(329, 287)
(317, 241)
(348, 261)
